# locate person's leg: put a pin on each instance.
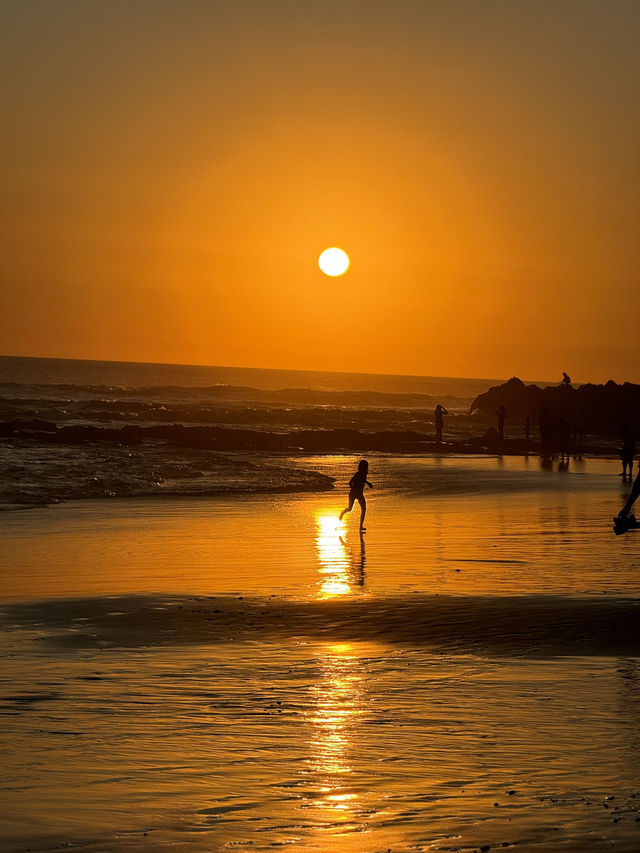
(349, 508)
(363, 509)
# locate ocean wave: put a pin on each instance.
(231, 394)
(34, 473)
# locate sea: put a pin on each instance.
(42, 460)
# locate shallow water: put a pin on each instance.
(323, 747)
(315, 743)
(434, 525)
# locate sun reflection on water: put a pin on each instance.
(338, 707)
(340, 568)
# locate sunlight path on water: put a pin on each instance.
(318, 746)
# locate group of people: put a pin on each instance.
(555, 433)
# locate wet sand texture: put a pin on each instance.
(504, 625)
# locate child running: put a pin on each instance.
(356, 492)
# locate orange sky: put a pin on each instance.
(171, 172)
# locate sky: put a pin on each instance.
(171, 171)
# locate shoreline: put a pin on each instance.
(204, 473)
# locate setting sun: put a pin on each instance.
(333, 262)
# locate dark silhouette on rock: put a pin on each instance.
(600, 409)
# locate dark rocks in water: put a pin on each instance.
(594, 409)
(220, 438)
(491, 435)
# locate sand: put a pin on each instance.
(241, 674)
(515, 626)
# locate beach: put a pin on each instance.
(320, 427)
(244, 671)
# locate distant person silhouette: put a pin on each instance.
(624, 521)
(356, 491)
(578, 436)
(628, 450)
(566, 379)
(563, 433)
(547, 430)
(527, 431)
(501, 415)
(439, 412)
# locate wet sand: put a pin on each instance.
(529, 626)
(231, 674)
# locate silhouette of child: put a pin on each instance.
(356, 491)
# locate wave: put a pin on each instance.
(229, 393)
(34, 473)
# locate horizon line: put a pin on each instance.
(274, 369)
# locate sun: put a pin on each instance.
(333, 261)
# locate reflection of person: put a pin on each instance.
(628, 450)
(356, 491)
(357, 561)
(439, 412)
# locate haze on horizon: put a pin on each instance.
(171, 172)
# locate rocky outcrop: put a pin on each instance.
(594, 409)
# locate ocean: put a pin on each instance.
(89, 429)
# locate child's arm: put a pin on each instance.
(369, 484)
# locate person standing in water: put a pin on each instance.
(439, 412)
(501, 414)
(356, 491)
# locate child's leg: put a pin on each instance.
(349, 508)
(363, 509)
